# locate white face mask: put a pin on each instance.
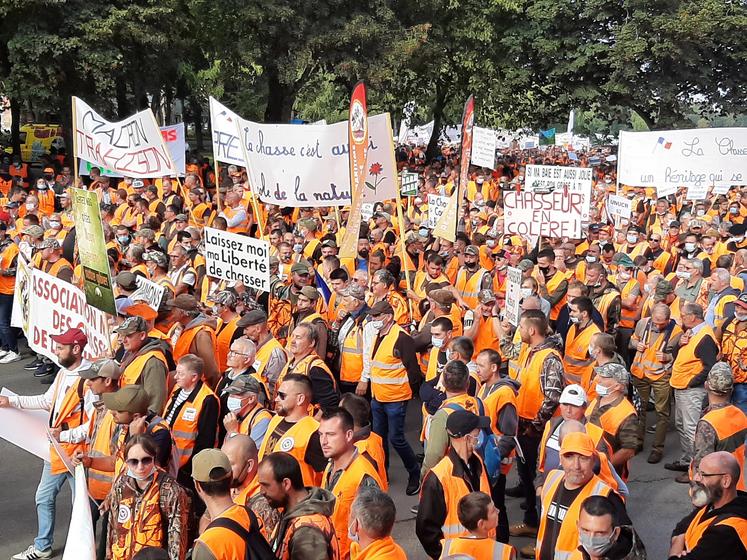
(377, 325)
(601, 390)
(30, 206)
(437, 342)
(591, 258)
(526, 292)
(233, 403)
(148, 476)
(55, 225)
(632, 238)
(700, 213)
(574, 320)
(690, 247)
(491, 243)
(591, 351)
(684, 275)
(624, 275)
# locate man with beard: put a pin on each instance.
(553, 284)
(717, 527)
(471, 279)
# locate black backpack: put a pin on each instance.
(256, 545)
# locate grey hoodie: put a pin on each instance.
(308, 542)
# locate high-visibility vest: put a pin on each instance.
(380, 549)
(734, 349)
(281, 543)
(255, 416)
(372, 448)
(698, 526)
(332, 306)
(184, 342)
(469, 287)
(54, 269)
(660, 263)
(248, 496)
(595, 432)
(551, 286)
(351, 355)
(431, 363)
(303, 366)
(719, 311)
(494, 397)
(223, 543)
(143, 525)
(166, 282)
(22, 172)
(102, 437)
(223, 341)
(482, 548)
(578, 365)
(604, 303)
(9, 254)
(142, 269)
(389, 381)
(687, 365)
(530, 396)
(294, 441)
(567, 540)
(133, 370)
(263, 356)
(628, 316)
(184, 271)
(454, 489)
(463, 401)
(345, 489)
(730, 424)
(486, 337)
(645, 364)
(71, 414)
(243, 227)
(46, 201)
(611, 420)
(184, 425)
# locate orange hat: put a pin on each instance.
(577, 442)
(142, 310)
(48, 170)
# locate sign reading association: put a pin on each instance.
(237, 258)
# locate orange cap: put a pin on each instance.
(577, 442)
(142, 310)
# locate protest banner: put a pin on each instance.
(149, 292)
(367, 210)
(56, 306)
(691, 157)
(548, 178)
(237, 258)
(555, 214)
(619, 206)
(697, 192)
(436, 207)
(225, 141)
(409, 183)
(26, 429)
(175, 141)
(20, 315)
(89, 237)
(80, 544)
(132, 147)
(484, 146)
(721, 189)
(513, 295)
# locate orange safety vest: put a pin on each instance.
(225, 335)
(628, 316)
(70, 415)
(476, 547)
(294, 441)
(263, 356)
(567, 540)
(734, 350)
(318, 520)
(46, 201)
(303, 366)
(8, 283)
(142, 269)
(494, 398)
(380, 549)
(372, 448)
(224, 543)
(486, 337)
(248, 496)
(351, 355)
(469, 287)
(256, 415)
(454, 489)
(530, 393)
(604, 304)
(645, 363)
(578, 365)
(184, 425)
(730, 424)
(133, 370)
(345, 490)
(592, 430)
(184, 342)
(687, 365)
(698, 526)
(551, 285)
(56, 267)
(389, 381)
(103, 443)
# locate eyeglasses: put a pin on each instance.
(134, 462)
(701, 474)
(235, 353)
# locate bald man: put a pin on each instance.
(242, 454)
(717, 527)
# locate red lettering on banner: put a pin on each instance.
(147, 162)
(169, 135)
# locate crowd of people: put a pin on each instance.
(230, 423)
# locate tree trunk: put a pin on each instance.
(155, 106)
(280, 99)
(15, 125)
(168, 106)
(432, 150)
(123, 104)
(197, 121)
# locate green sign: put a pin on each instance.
(409, 184)
(89, 236)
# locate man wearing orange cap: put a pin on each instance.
(563, 493)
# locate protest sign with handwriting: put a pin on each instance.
(436, 207)
(619, 206)
(237, 258)
(555, 214)
(484, 146)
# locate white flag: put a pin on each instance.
(571, 121)
(80, 543)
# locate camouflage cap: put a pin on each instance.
(720, 379)
(486, 296)
(615, 371)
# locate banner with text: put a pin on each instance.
(133, 147)
(513, 295)
(237, 258)
(436, 207)
(683, 158)
(226, 146)
(555, 214)
(483, 147)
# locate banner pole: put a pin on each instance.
(75, 143)
(337, 218)
(255, 206)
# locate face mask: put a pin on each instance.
(42, 187)
(591, 351)
(682, 274)
(234, 404)
(30, 206)
(544, 269)
(123, 239)
(632, 238)
(526, 292)
(437, 342)
(491, 243)
(593, 286)
(55, 225)
(591, 258)
(423, 232)
(596, 545)
(148, 476)
(624, 276)
(601, 390)
(733, 210)
(297, 248)
(735, 239)
(646, 288)
(700, 212)
(689, 247)
(377, 325)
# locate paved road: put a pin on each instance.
(655, 505)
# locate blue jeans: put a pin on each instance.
(8, 339)
(389, 421)
(739, 396)
(46, 497)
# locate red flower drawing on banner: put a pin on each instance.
(375, 170)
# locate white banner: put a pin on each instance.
(133, 147)
(237, 258)
(436, 206)
(226, 146)
(554, 215)
(26, 429)
(56, 306)
(20, 315)
(483, 147)
(693, 157)
(619, 206)
(80, 544)
(147, 291)
(513, 295)
(548, 178)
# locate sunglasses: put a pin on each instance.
(145, 461)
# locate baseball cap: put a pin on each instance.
(485, 296)
(132, 325)
(742, 300)
(462, 422)
(70, 337)
(48, 170)
(101, 368)
(33, 231)
(245, 383)
(131, 398)
(224, 297)
(300, 268)
(720, 379)
(595, 228)
(381, 308)
(473, 250)
(126, 280)
(525, 264)
(157, 257)
(621, 259)
(329, 243)
(181, 218)
(310, 292)
(674, 224)
(442, 296)
(615, 371)
(185, 302)
(211, 465)
(138, 184)
(49, 243)
(140, 309)
(574, 395)
(577, 442)
(253, 317)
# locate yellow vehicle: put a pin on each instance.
(38, 139)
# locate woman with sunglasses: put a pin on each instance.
(147, 506)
